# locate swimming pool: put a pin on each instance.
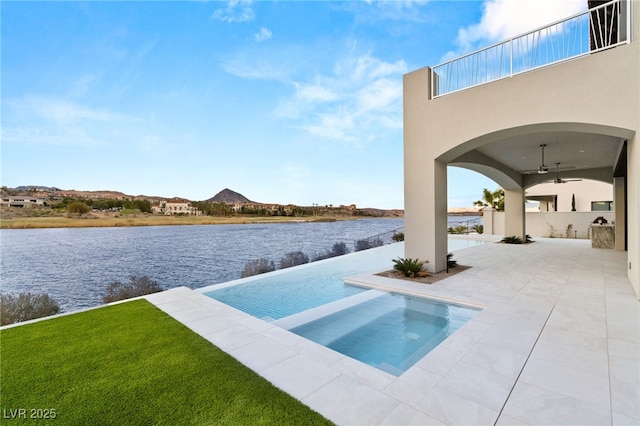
(286, 292)
(389, 331)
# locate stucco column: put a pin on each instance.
(633, 212)
(426, 215)
(487, 221)
(514, 222)
(437, 253)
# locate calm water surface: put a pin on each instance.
(75, 265)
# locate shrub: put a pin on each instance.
(257, 266)
(137, 286)
(293, 258)
(26, 306)
(478, 228)
(398, 236)
(460, 229)
(367, 244)
(78, 207)
(338, 249)
(408, 267)
(512, 240)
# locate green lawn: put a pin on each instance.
(132, 364)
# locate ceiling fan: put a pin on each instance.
(558, 180)
(542, 169)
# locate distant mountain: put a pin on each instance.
(37, 188)
(228, 196)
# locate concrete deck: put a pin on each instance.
(558, 342)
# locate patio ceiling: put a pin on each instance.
(581, 155)
(575, 150)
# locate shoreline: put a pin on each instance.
(144, 220)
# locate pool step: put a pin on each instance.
(305, 317)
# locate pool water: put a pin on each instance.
(390, 332)
(288, 291)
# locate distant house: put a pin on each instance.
(22, 201)
(176, 206)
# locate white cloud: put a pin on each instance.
(316, 93)
(38, 135)
(378, 95)
(339, 92)
(358, 99)
(62, 111)
(395, 10)
(263, 34)
(56, 121)
(503, 19)
(236, 11)
(254, 64)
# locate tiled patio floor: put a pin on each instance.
(558, 342)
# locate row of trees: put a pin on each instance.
(223, 209)
(75, 205)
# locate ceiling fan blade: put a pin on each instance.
(559, 180)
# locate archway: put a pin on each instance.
(515, 159)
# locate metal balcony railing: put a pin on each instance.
(599, 28)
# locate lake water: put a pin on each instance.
(75, 265)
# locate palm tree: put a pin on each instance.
(493, 199)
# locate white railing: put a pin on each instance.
(596, 29)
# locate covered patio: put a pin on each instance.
(587, 120)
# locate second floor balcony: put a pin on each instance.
(602, 27)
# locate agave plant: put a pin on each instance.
(512, 240)
(408, 267)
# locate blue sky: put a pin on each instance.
(283, 101)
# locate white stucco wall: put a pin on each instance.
(585, 192)
(550, 224)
